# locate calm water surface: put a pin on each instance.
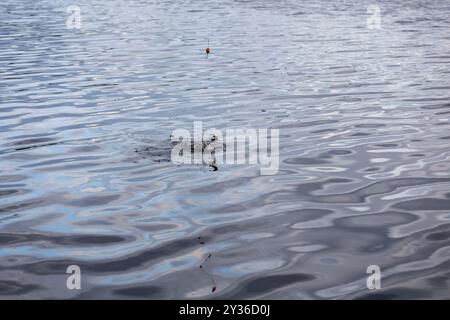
(86, 178)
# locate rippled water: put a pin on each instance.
(86, 178)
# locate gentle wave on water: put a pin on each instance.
(86, 179)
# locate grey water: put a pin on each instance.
(86, 178)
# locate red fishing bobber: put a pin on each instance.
(208, 50)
